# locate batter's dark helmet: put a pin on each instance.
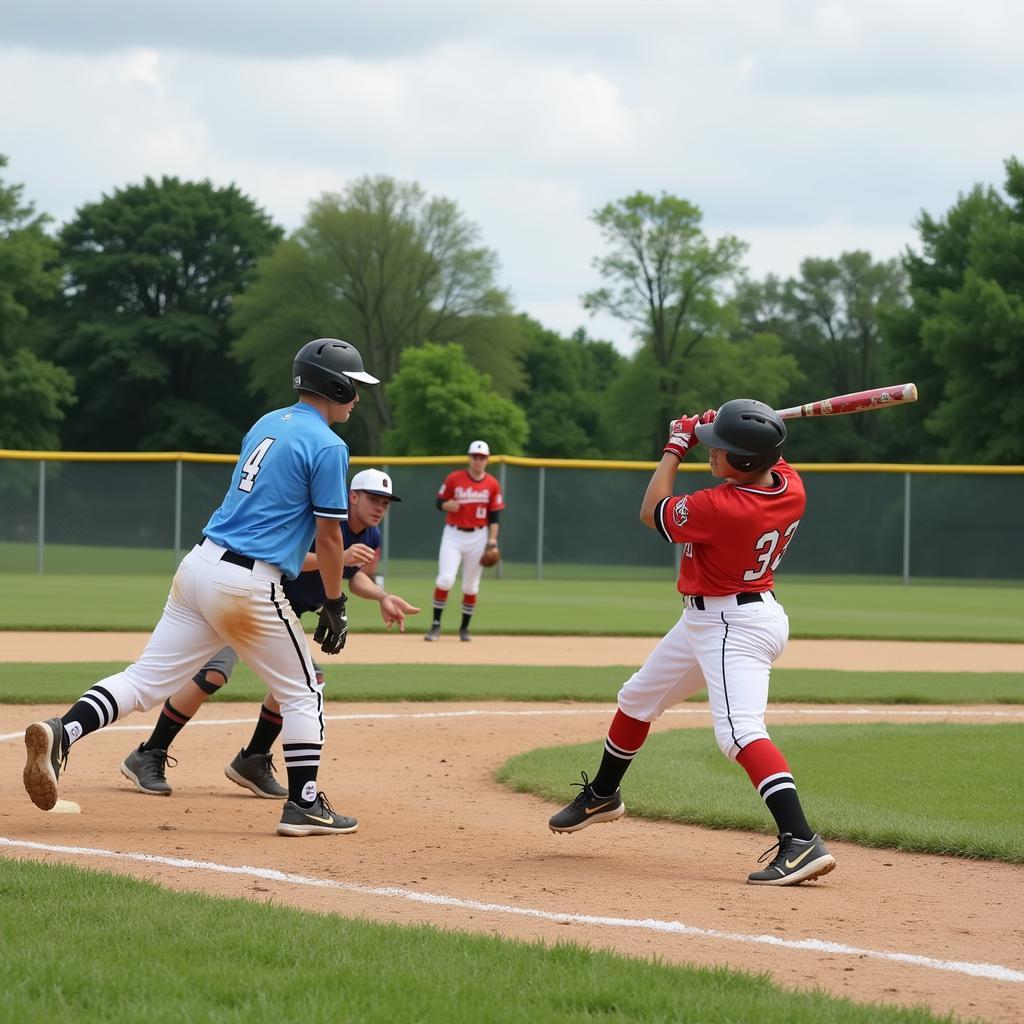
(328, 367)
(751, 432)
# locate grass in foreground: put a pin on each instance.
(820, 608)
(86, 946)
(38, 683)
(947, 789)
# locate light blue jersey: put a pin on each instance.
(292, 467)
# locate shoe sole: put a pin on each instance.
(248, 784)
(134, 780)
(612, 815)
(815, 869)
(284, 829)
(38, 777)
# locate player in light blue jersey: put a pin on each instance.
(287, 489)
(289, 450)
(371, 494)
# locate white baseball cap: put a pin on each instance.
(373, 481)
(478, 448)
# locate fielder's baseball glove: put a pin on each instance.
(491, 555)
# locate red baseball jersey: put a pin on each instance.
(475, 497)
(733, 536)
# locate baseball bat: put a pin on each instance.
(858, 401)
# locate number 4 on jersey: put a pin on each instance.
(765, 548)
(251, 466)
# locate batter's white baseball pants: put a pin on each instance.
(728, 648)
(465, 547)
(213, 603)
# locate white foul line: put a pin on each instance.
(996, 972)
(605, 709)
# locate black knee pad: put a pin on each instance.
(204, 684)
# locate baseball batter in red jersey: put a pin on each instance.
(471, 501)
(733, 538)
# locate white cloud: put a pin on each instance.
(804, 128)
(143, 66)
(781, 250)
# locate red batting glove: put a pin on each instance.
(708, 416)
(681, 436)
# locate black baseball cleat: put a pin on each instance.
(797, 860)
(319, 820)
(464, 635)
(587, 809)
(433, 633)
(146, 770)
(46, 751)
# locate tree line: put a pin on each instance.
(164, 316)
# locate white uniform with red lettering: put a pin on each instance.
(465, 532)
(732, 627)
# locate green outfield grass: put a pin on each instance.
(946, 789)
(86, 946)
(38, 683)
(817, 607)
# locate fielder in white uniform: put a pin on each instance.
(287, 487)
(471, 501)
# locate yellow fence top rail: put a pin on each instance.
(509, 460)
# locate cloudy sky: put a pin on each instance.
(805, 128)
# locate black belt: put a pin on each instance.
(234, 557)
(751, 597)
(469, 529)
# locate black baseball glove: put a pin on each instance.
(332, 629)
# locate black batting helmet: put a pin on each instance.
(750, 432)
(328, 367)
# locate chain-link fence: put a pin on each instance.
(103, 513)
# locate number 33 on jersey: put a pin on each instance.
(733, 536)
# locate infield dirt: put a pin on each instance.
(432, 821)
(408, 648)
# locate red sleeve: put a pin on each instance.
(446, 491)
(687, 517)
(497, 501)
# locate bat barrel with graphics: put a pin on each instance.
(858, 401)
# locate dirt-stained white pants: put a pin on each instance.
(213, 603)
(728, 648)
(458, 545)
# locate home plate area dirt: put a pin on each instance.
(440, 842)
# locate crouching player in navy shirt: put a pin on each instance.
(371, 494)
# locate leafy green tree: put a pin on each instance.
(940, 266)
(829, 320)
(567, 385)
(385, 267)
(152, 275)
(834, 306)
(34, 394)
(753, 366)
(670, 284)
(440, 403)
(976, 335)
(960, 339)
